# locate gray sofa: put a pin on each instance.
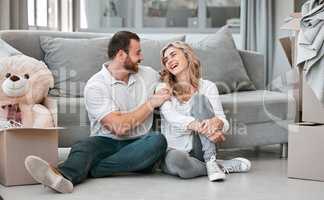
(257, 117)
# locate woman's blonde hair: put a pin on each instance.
(194, 69)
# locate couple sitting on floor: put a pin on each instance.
(120, 100)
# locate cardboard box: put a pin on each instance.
(309, 108)
(18, 143)
(305, 139)
(305, 150)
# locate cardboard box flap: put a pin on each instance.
(287, 47)
(32, 129)
(296, 15)
(293, 22)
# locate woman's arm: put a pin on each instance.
(211, 92)
(175, 118)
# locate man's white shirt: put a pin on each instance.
(104, 94)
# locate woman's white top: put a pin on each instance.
(175, 116)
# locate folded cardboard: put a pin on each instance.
(305, 150)
(18, 143)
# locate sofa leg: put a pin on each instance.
(284, 150)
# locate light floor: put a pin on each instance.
(267, 180)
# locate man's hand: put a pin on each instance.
(159, 98)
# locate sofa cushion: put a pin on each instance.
(151, 50)
(73, 62)
(256, 134)
(7, 50)
(221, 62)
(258, 106)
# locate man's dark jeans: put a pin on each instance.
(102, 156)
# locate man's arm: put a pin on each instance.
(121, 122)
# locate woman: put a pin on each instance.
(192, 115)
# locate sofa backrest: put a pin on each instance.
(28, 42)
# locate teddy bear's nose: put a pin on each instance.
(14, 78)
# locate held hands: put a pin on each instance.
(217, 137)
(159, 98)
(212, 128)
(211, 125)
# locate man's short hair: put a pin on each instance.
(120, 41)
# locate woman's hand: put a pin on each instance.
(194, 126)
(217, 137)
(212, 128)
(211, 125)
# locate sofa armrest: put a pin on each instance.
(254, 65)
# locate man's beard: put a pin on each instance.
(132, 67)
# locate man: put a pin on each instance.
(120, 101)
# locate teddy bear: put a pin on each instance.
(24, 85)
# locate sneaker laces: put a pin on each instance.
(234, 166)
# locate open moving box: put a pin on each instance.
(305, 139)
(18, 143)
(311, 110)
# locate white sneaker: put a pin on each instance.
(213, 170)
(236, 165)
(43, 173)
